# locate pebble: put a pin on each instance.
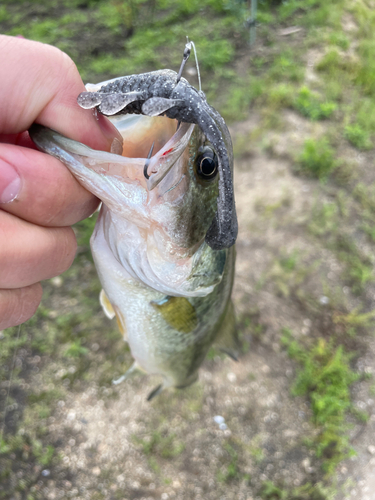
(96, 471)
(219, 419)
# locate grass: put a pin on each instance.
(231, 470)
(309, 104)
(317, 158)
(325, 377)
(358, 137)
(160, 444)
(337, 110)
(308, 491)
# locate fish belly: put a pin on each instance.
(158, 342)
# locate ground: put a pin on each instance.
(298, 409)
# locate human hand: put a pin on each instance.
(39, 198)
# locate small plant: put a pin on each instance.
(359, 272)
(281, 96)
(270, 491)
(325, 218)
(338, 66)
(317, 158)
(231, 470)
(357, 136)
(325, 377)
(286, 67)
(310, 105)
(161, 444)
(75, 350)
(340, 40)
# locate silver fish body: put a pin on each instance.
(169, 289)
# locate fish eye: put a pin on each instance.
(206, 164)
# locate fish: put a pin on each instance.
(163, 244)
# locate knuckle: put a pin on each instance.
(66, 249)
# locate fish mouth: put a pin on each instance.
(131, 161)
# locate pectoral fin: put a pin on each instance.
(111, 312)
(133, 370)
(106, 305)
(178, 312)
(155, 392)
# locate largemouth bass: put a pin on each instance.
(163, 241)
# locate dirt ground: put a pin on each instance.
(113, 444)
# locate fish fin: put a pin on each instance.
(178, 312)
(121, 324)
(106, 305)
(111, 311)
(155, 392)
(232, 354)
(133, 370)
(155, 106)
(227, 339)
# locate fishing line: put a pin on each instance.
(197, 65)
(10, 382)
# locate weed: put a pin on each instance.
(270, 491)
(339, 39)
(281, 96)
(309, 104)
(357, 136)
(369, 230)
(366, 197)
(289, 262)
(75, 350)
(317, 158)
(240, 96)
(286, 67)
(325, 218)
(338, 65)
(308, 491)
(231, 471)
(325, 378)
(286, 275)
(355, 318)
(161, 444)
(359, 267)
(366, 72)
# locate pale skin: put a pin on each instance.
(39, 198)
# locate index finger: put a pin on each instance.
(41, 84)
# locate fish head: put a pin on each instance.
(160, 189)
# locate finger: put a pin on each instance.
(30, 253)
(38, 188)
(42, 84)
(22, 139)
(17, 306)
